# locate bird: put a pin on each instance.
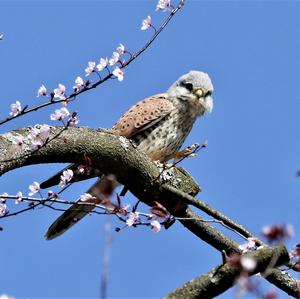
(157, 125)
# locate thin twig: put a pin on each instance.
(225, 221)
(100, 81)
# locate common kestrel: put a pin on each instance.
(158, 125)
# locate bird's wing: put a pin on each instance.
(139, 117)
(143, 115)
(101, 191)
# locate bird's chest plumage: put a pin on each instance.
(163, 140)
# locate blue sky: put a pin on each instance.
(251, 51)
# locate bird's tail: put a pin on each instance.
(100, 191)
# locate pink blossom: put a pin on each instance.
(38, 135)
(250, 245)
(163, 5)
(81, 169)
(78, 83)
(3, 209)
(118, 73)
(244, 284)
(248, 263)
(42, 91)
(34, 188)
(155, 226)
(17, 139)
(73, 121)
(114, 59)
(296, 251)
(59, 92)
(277, 232)
(4, 296)
(19, 198)
(36, 143)
(3, 197)
(86, 197)
(146, 23)
(132, 219)
(34, 132)
(66, 177)
(271, 294)
(15, 108)
(102, 64)
(44, 131)
(121, 49)
(90, 68)
(60, 114)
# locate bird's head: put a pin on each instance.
(194, 88)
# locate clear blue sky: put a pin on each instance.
(251, 51)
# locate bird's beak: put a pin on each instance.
(199, 92)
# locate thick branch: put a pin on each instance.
(108, 153)
(209, 211)
(223, 277)
(112, 155)
(206, 232)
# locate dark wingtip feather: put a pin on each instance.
(65, 221)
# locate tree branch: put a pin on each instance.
(221, 278)
(112, 155)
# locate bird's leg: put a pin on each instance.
(189, 151)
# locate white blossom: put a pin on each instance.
(132, 219)
(34, 132)
(2, 197)
(42, 91)
(73, 121)
(90, 68)
(60, 114)
(118, 73)
(102, 64)
(59, 92)
(163, 5)
(78, 83)
(38, 135)
(155, 226)
(114, 59)
(17, 139)
(146, 23)
(19, 198)
(15, 108)
(36, 143)
(66, 177)
(3, 209)
(121, 49)
(250, 245)
(85, 197)
(81, 169)
(34, 188)
(44, 131)
(248, 263)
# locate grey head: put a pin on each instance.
(195, 89)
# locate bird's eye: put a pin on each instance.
(209, 93)
(188, 86)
